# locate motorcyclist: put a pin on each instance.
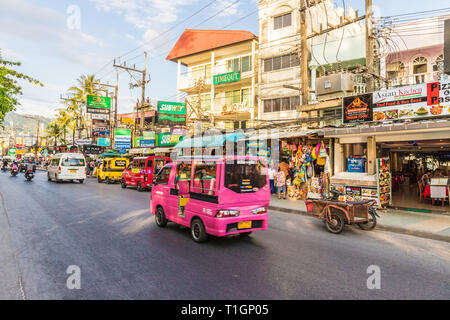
(5, 165)
(14, 166)
(29, 167)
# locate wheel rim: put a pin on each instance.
(334, 222)
(196, 231)
(158, 216)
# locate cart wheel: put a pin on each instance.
(370, 224)
(335, 223)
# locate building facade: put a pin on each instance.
(218, 74)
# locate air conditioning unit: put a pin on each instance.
(334, 85)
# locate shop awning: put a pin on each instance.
(209, 141)
(278, 134)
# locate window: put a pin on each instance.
(135, 163)
(242, 96)
(282, 62)
(183, 178)
(159, 163)
(281, 104)
(245, 177)
(142, 164)
(163, 176)
(204, 180)
(282, 21)
(201, 72)
(242, 64)
(73, 162)
(149, 164)
(205, 100)
(439, 64)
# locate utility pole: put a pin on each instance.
(116, 90)
(370, 61)
(141, 84)
(303, 52)
(37, 133)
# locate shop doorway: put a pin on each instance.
(410, 161)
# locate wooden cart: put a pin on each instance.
(337, 214)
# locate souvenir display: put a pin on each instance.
(384, 181)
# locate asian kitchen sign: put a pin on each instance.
(423, 100)
(97, 104)
(171, 107)
(227, 77)
(357, 108)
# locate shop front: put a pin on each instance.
(388, 162)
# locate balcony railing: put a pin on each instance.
(411, 79)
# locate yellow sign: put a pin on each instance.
(127, 121)
(19, 152)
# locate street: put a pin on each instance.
(108, 232)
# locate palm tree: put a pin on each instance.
(53, 132)
(65, 120)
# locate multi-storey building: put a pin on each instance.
(217, 72)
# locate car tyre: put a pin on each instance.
(160, 217)
(81, 180)
(57, 179)
(139, 187)
(198, 231)
(99, 180)
(123, 184)
(48, 177)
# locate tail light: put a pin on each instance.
(59, 169)
(261, 210)
(85, 169)
(227, 213)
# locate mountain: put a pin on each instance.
(22, 123)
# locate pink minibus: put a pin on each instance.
(217, 196)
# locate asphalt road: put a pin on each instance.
(108, 232)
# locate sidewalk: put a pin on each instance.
(425, 225)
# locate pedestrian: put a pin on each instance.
(92, 164)
(272, 179)
(280, 182)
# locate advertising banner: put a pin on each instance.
(147, 143)
(357, 108)
(97, 104)
(122, 132)
(149, 135)
(412, 102)
(81, 142)
(178, 131)
(227, 77)
(171, 107)
(99, 116)
(98, 133)
(104, 142)
(92, 149)
(164, 140)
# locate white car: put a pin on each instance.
(67, 166)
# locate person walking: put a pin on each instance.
(280, 182)
(272, 179)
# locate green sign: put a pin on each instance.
(12, 151)
(171, 107)
(98, 102)
(122, 132)
(227, 77)
(137, 141)
(171, 118)
(164, 140)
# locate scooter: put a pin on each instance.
(29, 175)
(14, 172)
(4, 168)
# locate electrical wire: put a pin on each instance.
(342, 36)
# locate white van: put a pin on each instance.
(67, 166)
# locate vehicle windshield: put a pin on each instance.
(249, 176)
(73, 162)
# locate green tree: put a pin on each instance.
(9, 87)
(53, 132)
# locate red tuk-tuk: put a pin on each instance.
(140, 171)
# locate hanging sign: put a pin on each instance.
(357, 108)
(227, 77)
(97, 104)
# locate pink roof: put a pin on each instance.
(195, 41)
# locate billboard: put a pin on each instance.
(357, 108)
(167, 107)
(98, 104)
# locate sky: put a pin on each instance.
(58, 41)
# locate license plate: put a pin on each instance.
(73, 171)
(244, 225)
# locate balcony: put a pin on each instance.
(189, 83)
(412, 79)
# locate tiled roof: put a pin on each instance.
(195, 41)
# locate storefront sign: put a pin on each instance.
(171, 118)
(171, 107)
(357, 108)
(122, 140)
(127, 121)
(99, 116)
(149, 135)
(147, 143)
(92, 149)
(178, 131)
(164, 140)
(97, 104)
(104, 142)
(416, 101)
(227, 77)
(81, 142)
(97, 133)
(122, 132)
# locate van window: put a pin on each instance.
(183, 177)
(142, 164)
(149, 164)
(73, 162)
(55, 162)
(135, 163)
(205, 181)
(163, 176)
(245, 177)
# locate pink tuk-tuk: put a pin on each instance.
(217, 196)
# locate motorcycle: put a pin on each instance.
(14, 172)
(4, 168)
(29, 175)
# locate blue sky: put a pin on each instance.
(43, 36)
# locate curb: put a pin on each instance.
(419, 234)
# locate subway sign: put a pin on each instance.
(227, 77)
(171, 107)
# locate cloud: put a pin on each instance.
(228, 8)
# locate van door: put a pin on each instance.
(135, 172)
(72, 167)
(162, 191)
